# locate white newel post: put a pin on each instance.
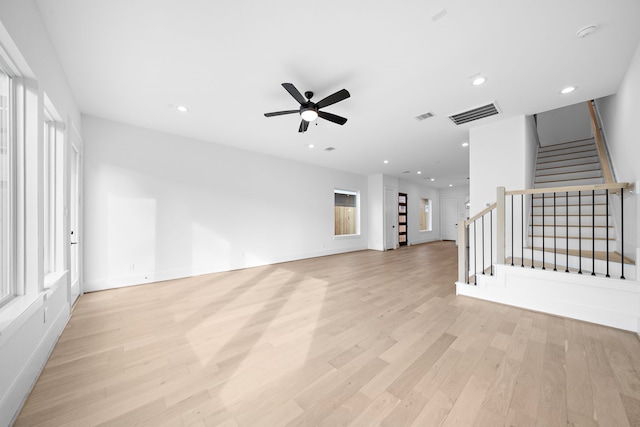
(500, 202)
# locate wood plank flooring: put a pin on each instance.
(360, 339)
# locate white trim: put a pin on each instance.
(605, 301)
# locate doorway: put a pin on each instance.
(403, 237)
(449, 218)
(390, 218)
(75, 209)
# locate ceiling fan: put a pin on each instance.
(309, 111)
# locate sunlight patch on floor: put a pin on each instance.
(284, 346)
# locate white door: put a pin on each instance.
(75, 192)
(449, 218)
(390, 218)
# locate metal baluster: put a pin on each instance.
(607, 227)
(483, 264)
(555, 251)
(579, 232)
(532, 239)
(566, 213)
(522, 231)
(622, 230)
(593, 232)
(475, 253)
(543, 231)
(512, 253)
(468, 263)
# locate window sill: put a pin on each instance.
(20, 309)
(16, 312)
(53, 280)
(346, 236)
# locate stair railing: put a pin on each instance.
(475, 236)
(605, 163)
(517, 238)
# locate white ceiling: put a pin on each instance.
(133, 61)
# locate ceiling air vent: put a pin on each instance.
(424, 116)
(475, 114)
(329, 149)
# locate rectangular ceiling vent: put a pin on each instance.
(475, 114)
(424, 116)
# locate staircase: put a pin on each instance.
(582, 232)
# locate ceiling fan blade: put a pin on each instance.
(332, 117)
(294, 92)
(303, 126)
(279, 113)
(332, 99)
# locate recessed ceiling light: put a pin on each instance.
(310, 146)
(478, 80)
(568, 89)
(585, 31)
(182, 108)
(439, 14)
(432, 179)
(465, 144)
(450, 185)
(385, 162)
(419, 172)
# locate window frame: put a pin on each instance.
(425, 203)
(356, 194)
(8, 283)
(53, 195)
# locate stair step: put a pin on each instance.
(568, 183)
(567, 156)
(599, 255)
(574, 152)
(572, 201)
(585, 244)
(562, 170)
(569, 176)
(550, 164)
(574, 221)
(567, 144)
(575, 231)
(614, 270)
(585, 210)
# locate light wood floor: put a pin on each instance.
(361, 339)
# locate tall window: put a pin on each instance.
(52, 195)
(425, 215)
(346, 212)
(7, 191)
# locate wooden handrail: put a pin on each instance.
(602, 154)
(479, 214)
(616, 186)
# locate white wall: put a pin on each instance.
(499, 154)
(160, 206)
(619, 114)
(530, 152)
(502, 154)
(26, 335)
(570, 123)
(376, 212)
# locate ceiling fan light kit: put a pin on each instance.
(309, 111)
